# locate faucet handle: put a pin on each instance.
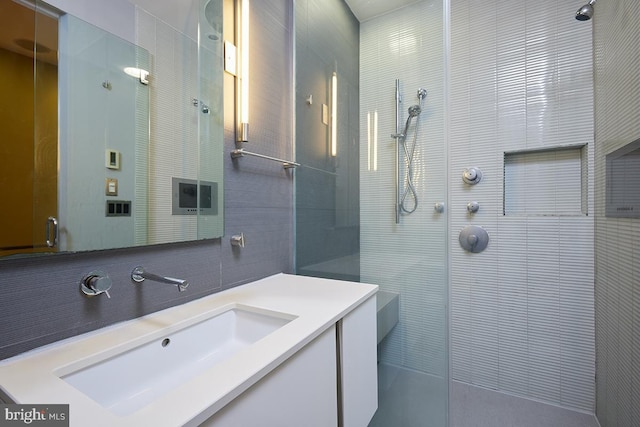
(95, 283)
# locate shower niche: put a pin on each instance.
(623, 182)
(546, 182)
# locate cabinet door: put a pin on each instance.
(359, 375)
(300, 392)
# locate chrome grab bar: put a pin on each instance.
(240, 152)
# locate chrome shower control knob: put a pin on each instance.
(439, 207)
(96, 283)
(472, 175)
(473, 239)
(473, 207)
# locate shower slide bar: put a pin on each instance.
(241, 152)
(397, 137)
(408, 189)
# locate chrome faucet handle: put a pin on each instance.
(95, 283)
(139, 274)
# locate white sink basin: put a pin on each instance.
(133, 378)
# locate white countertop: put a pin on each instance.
(33, 377)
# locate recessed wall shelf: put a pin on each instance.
(547, 182)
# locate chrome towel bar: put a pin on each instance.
(240, 152)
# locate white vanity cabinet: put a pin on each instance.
(359, 365)
(333, 377)
(300, 392)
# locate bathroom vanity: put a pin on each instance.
(282, 351)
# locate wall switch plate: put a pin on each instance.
(112, 159)
(118, 208)
(111, 187)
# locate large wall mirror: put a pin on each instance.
(110, 141)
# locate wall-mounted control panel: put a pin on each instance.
(192, 197)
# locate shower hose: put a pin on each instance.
(409, 198)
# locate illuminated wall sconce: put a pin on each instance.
(334, 115)
(242, 96)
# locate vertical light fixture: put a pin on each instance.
(372, 141)
(375, 140)
(242, 96)
(334, 115)
(368, 140)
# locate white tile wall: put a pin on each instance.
(522, 311)
(617, 60)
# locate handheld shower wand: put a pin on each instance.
(410, 189)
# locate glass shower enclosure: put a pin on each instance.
(366, 140)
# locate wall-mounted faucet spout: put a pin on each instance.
(139, 274)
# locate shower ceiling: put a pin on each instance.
(367, 9)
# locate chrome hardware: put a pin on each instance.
(241, 152)
(472, 176)
(51, 231)
(237, 240)
(473, 207)
(439, 207)
(139, 274)
(473, 239)
(95, 283)
(107, 85)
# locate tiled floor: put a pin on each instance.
(477, 407)
(413, 399)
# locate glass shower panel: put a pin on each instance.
(346, 204)
(408, 260)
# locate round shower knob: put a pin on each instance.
(472, 175)
(439, 207)
(473, 239)
(473, 207)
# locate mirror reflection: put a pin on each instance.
(113, 144)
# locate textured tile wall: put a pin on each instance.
(617, 122)
(522, 311)
(39, 298)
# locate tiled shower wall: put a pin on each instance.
(40, 301)
(617, 112)
(522, 311)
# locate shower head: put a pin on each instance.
(414, 110)
(585, 12)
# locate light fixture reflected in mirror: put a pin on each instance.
(334, 115)
(242, 97)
